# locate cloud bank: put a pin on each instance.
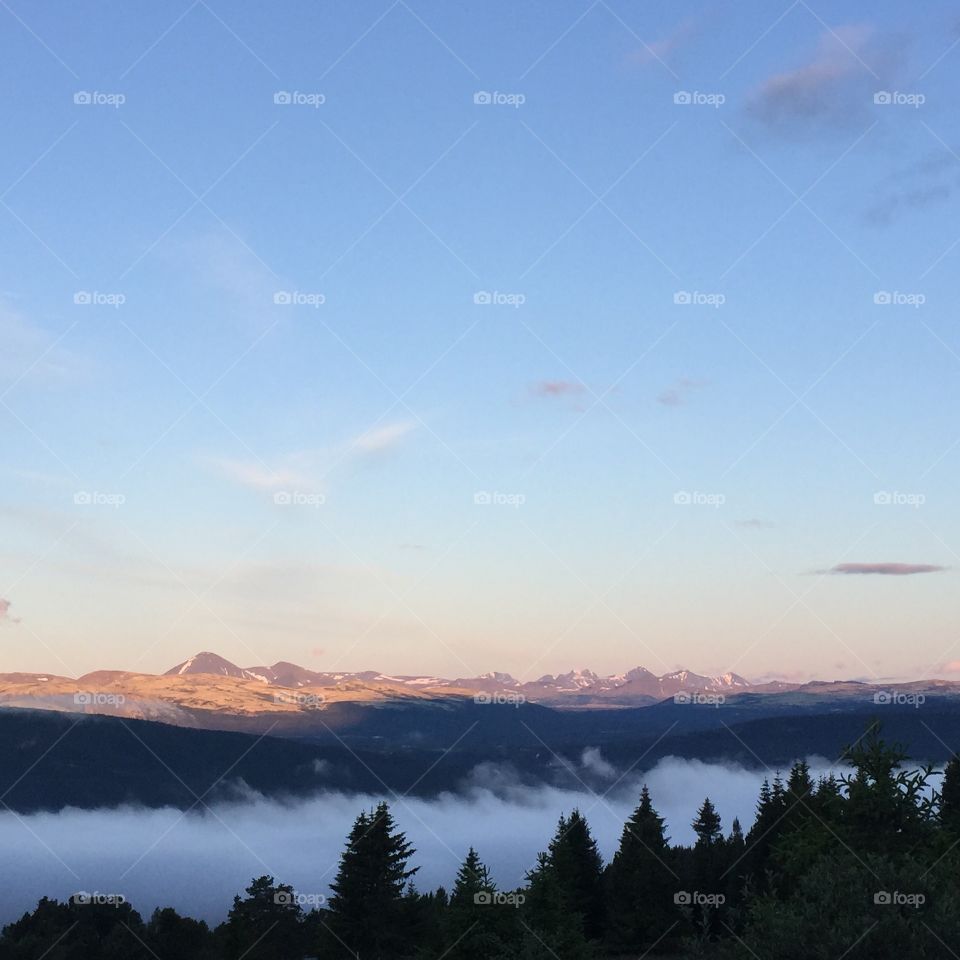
(196, 862)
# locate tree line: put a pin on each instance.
(862, 866)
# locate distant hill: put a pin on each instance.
(51, 760)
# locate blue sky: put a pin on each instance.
(757, 480)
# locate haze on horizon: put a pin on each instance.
(396, 336)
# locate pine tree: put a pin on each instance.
(369, 916)
(762, 836)
(640, 884)
(477, 924)
(707, 826)
(565, 894)
(579, 869)
(950, 796)
(266, 925)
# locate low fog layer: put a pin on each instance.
(196, 862)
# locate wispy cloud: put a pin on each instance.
(662, 49)
(383, 438)
(308, 469)
(753, 523)
(5, 616)
(886, 569)
(927, 182)
(557, 388)
(257, 475)
(31, 355)
(677, 394)
(833, 90)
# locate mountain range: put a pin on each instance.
(636, 684)
(209, 692)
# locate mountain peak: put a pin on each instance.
(207, 662)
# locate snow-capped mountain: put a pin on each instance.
(207, 663)
(637, 685)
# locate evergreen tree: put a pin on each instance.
(369, 916)
(266, 925)
(477, 923)
(640, 884)
(178, 938)
(578, 867)
(707, 826)
(950, 796)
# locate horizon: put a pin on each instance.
(576, 670)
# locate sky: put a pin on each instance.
(445, 338)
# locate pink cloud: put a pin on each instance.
(886, 569)
(558, 388)
(5, 612)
